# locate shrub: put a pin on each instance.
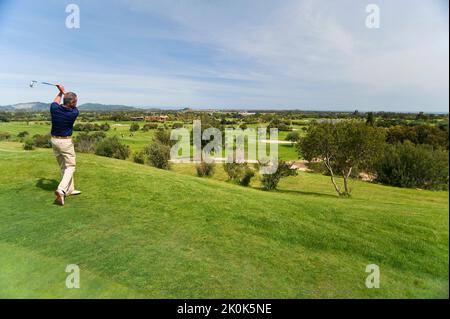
(240, 173)
(158, 155)
(409, 165)
(134, 127)
(87, 143)
(281, 126)
(177, 125)
(270, 181)
(293, 136)
(246, 176)
(111, 147)
(150, 126)
(105, 127)
(43, 141)
(232, 170)
(163, 137)
(205, 169)
(4, 136)
(139, 157)
(23, 134)
(89, 127)
(28, 145)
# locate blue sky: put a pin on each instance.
(305, 54)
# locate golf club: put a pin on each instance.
(33, 83)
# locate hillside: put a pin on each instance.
(31, 106)
(39, 106)
(141, 232)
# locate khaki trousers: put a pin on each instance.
(65, 155)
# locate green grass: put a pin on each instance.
(141, 232)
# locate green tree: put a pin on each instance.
(370, 119)
(293, 136)
(158, 155)
(23, 134)
(134, 127)
(421, 116)
(87, 143)
(409, 165)
(111, 147)
(163, 136)
(343, 147)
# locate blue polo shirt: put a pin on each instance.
(62, 119)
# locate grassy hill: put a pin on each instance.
(141, 232)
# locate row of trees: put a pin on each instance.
(134, 127)
(349, 147)
(91, 127)
(421, 134)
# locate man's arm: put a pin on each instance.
(60, 94)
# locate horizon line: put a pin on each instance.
(231, 109)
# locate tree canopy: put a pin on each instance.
(343, 147)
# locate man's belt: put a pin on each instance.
(62, 137)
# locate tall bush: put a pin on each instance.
(205, 169)
(4, 136)
(158, 155)
(134, 127)
(87, 143)
(239, 173)
(270, 181)
(43, 141)
(111, 147)
(409, 165)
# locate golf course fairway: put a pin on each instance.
(137, 231)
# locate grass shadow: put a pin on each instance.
(290, 191)
(47, 184)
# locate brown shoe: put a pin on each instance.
(59, 197)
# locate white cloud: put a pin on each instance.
(280, 54)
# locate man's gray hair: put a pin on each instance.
(69, 97)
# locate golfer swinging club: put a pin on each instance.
(63, 117)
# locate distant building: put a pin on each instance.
(137, 118)
(156, 118)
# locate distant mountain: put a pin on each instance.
(106, 107)
(31, 106)
(39, 106)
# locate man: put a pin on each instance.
(63, 117)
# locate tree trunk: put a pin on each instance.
(346, 176)
(336, 187)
